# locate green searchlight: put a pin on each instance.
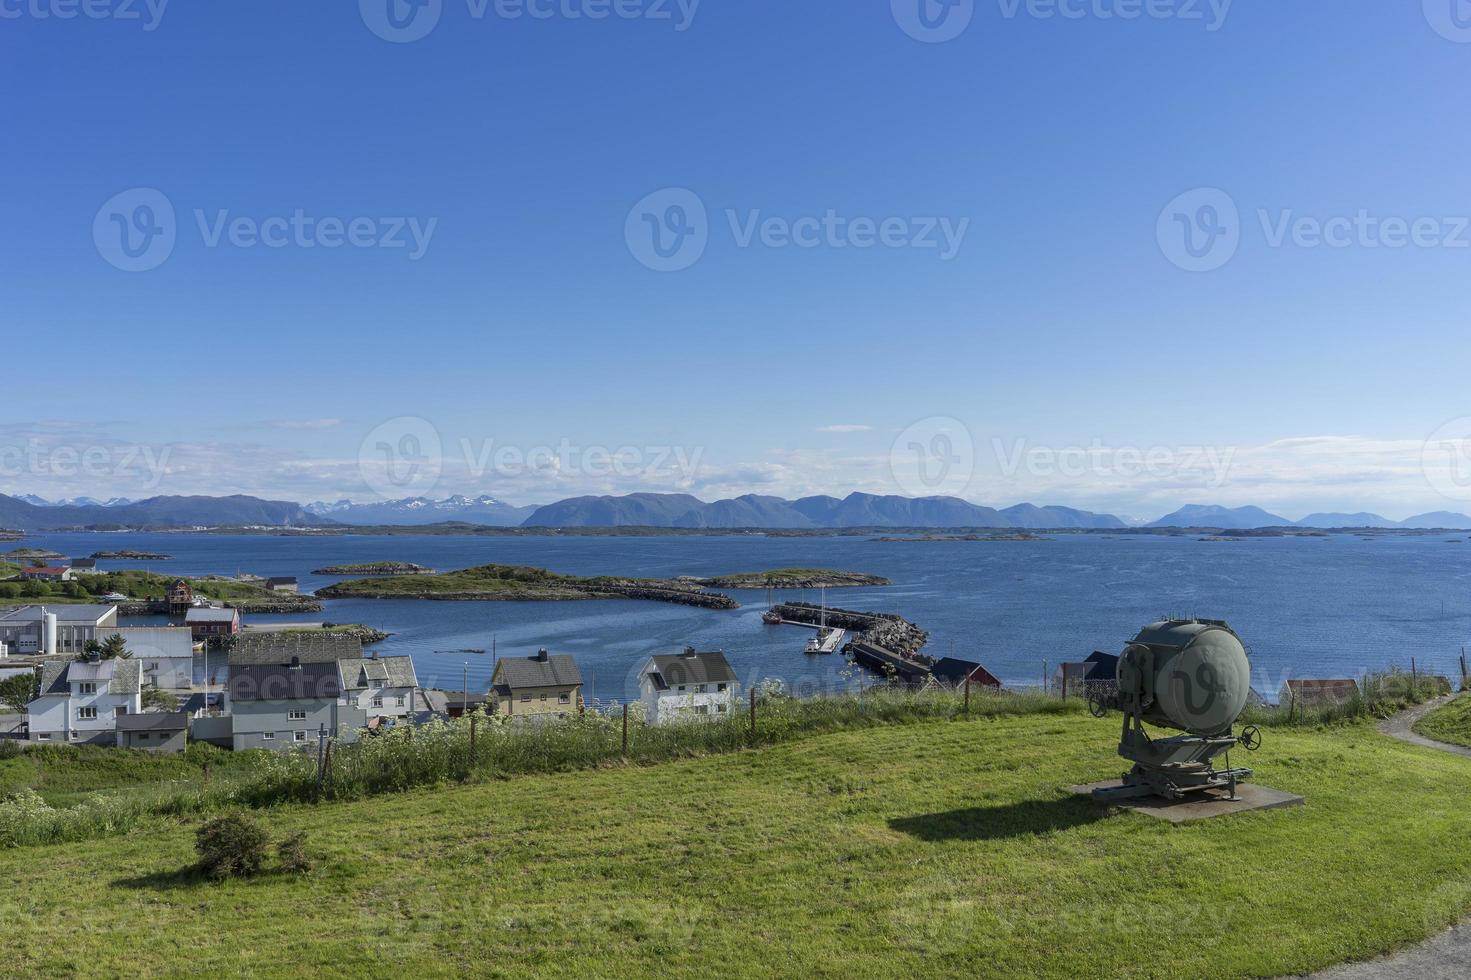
(1190, 675)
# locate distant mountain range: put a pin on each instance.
(73, 501)
(671, 510)
(855, 510)
(239, 511)
(1248, 518)
(419, 511)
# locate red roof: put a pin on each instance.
(47, 570)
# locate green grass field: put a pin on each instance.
(1451, 724)
(938, 848)
(64, 775)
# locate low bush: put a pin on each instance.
(231, 846)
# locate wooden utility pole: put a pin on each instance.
(967, 694)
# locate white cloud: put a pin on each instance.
(1291, 476)
(305, 424)
(845, 428)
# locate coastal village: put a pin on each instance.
(206, 677)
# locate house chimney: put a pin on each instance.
(542, 656)
(295, 663)
(688, 652)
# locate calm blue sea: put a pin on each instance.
(1307, 607)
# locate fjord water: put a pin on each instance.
(1306, 607)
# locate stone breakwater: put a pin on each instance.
(888, 630)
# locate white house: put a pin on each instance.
(81, 700)
(166, 654)
(688, 686)
(384, 687)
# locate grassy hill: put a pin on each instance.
(942, 847)
(1450, 724)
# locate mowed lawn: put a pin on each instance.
(932, 849)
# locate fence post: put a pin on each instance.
(473, 720)
(625, 731)
(321, 750)
(753, 712)
(967, 694)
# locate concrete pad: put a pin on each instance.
(1199, 806)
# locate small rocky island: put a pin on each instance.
(24, 553)
(793, 578)
(517, 583)
(375, 569)
(130, 556)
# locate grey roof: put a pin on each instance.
(78, 615)
(157, 641)
(557, 670)
(282, 580)
(121, 676)
(281, 648)
(361, 672)
(153, 721)
(272, 682)
(198, 615)
(694, 668)
(443, 701)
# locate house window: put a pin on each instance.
(44, 737)
(87, 687)
(525, 699)
(267, 736)
(296, 715)
(720, 688)
(141, 736)
(86, 714)
(151, 665)
(299, 736)
(701, 688)
(720, 709)
(74, 736)
(681, 689)
(565, 698)
(543, 699)
(702, 709)
(400, 701)
(378, 702)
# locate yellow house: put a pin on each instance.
(543, 685)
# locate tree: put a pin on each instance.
(18, 691)
(115, 647)
(154, 698)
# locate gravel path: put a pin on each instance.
(1447, 956)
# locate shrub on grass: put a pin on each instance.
(291, 854)
(231, 846)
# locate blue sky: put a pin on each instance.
(1049, 145)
